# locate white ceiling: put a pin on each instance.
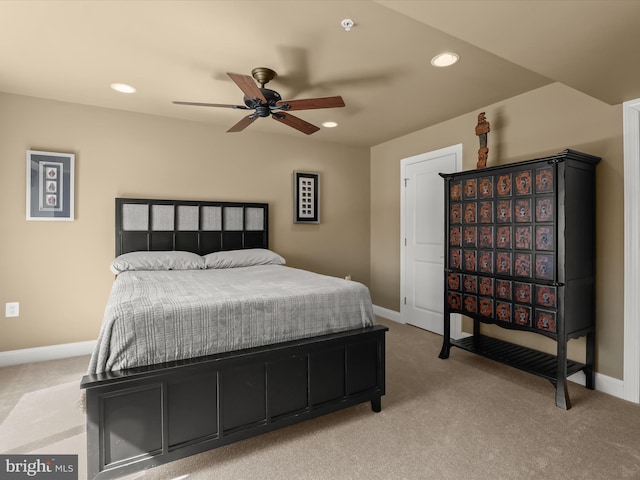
(181, 50)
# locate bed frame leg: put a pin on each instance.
(376, 404)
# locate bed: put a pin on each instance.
(164, 384)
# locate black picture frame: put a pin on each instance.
(50, 186)
(306, 197)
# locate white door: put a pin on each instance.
(422, 242)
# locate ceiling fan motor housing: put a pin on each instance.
(263, 109)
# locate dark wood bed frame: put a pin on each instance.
(140, 418)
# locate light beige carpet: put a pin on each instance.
(461, 418)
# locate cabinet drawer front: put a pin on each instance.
(470, 304)
(470, 189)
(455, 191)
(470, 260)
(470, 283)
(522, 315)
(503, 289)
(455, 213)
(470, 212)
(454, 281)
(485, 286)
(545, 209)
(503, 237)
(545, 266)
(503, 263)
(544, 179)
(503, 185)
(485, 210)
(485, 307)
(485, 187)
(455, 301)
(545, 320)
(523, 210)
(455, 236)
(523, 237)
(544, 237)
(470, 237)
(504, 211)
(523, 292)
(546, 296)
(504, 311)
(523, 182)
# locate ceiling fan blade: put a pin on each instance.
(295, 122)
(248, 86)
(311, 103)
(242, 124)
(221, 105)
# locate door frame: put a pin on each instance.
(631, 136)
(456, 319)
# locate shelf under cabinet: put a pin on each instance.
(523, 358)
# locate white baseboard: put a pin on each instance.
(388, 314)
(605, 384)
(41, 354)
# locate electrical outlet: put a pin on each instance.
(12, 309)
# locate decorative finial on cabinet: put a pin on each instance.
(482, 130)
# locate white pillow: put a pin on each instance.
(242, 258)
(165, 260)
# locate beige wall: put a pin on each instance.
(538, 123)
(59, 271)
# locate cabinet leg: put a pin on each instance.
(562, 395)
(590, 378)
(589, 371)
(446, 347)
(446, 340)
(376, 404)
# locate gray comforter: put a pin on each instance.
(159, 316)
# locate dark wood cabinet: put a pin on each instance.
(520, 253)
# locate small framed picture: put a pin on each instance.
(50, 182)
(306, 197)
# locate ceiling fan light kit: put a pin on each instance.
(265, 102)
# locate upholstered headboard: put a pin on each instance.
(195, 226)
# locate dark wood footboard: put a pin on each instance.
(145, 417)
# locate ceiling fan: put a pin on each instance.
(267, 102)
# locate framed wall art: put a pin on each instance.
(306, 197)
(50, 181)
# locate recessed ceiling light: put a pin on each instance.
(445, 59)
(329, 124)
(123, 88)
